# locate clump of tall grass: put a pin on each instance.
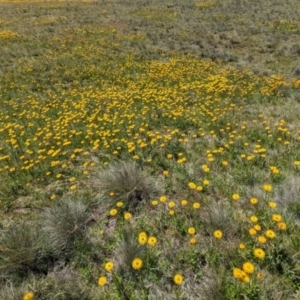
(21, 250)
(125, 181)
(65, 222)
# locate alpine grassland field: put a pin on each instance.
(150, 149)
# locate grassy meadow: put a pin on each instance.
(150, 150)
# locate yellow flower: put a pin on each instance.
(242, 246)
(261, 239)
(240, 275)
(109, 266)
(235, 197)
(272, 204)
(276, 217)
(253, 201)
(28, 296)
(184, 202)
(169, 156)
(111, 194)
(259, 253)
(152, 241)
(248, 267)
(281, 226)
(162, 198)
(165, 172)
(73, 187)
(154, 202)
(218, 234)
(193, 241)
(252, 231)
(206, 182)
(191, 230)
(53, 197)
(196, 205)
(268, 187)
(270, 234)
(199, 188)
(178, 279)
(171, 212)
(257, 227)
(171, 204)
(254, 219)
(259, 275)
(127, 215)
(113, 212)
(142, 238)
(225, 163)
(192, 185)
(137, 263)
(297, 162)
(119, 204)
(102, 280)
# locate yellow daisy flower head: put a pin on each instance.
(193, 240)
(253, 219)
(178, 279)
(113, 212)
(192, 185)
(163, 199)
(28, 296)
(257, 227)
(191, 230)
(259, 253)
(235, 197)
(196, 205)
(102, 280)
(109, 266)
(218, 234)
(199, 188)
(137, 263)
(171, 212)
(171, 204)
(262, 239)
(165, 172)
(270, 234)
(120, 204)
(248, 267)
(240, 275)
(242, 246)
(253, 200)
(53, 197)
(281, 225)
(225, 163)
(268, 188)
(252, 231)
(142, 238)
(154, 202)
(152, 241)
(276, 217)
(206, 182)
(272, 204)
(184, 202)
(127, 215)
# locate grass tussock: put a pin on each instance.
(125, 181)
(21, 251)
(65, 222)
